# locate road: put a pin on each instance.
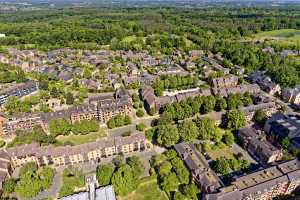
(132, 127)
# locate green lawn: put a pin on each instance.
(81, 139)
(226, 152)
(286, 34)
(147, 190)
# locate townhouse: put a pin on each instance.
(281, 126)
(18, 90)
(69, 155)
(25, 122)
(264, 184)
(264, 82)
(201, 173)
(256, 144)
(226, 81)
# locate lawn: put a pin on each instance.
(147, 190)
(81, 139)
(226, 152)
(286, 34)
(72, 180)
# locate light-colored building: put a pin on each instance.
(292, 95)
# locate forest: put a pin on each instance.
(161, 31)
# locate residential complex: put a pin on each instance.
(18, 90)
(281, 126)
(257, 145)
(265, 184)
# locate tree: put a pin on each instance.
(170, 183)
(181, 171)
(137, 165)
(167, 135)
(69, 98)
(104, 174)
(124, 180)
(221, 166)
(9, 185)
(191, 191)
(208, 104)
(188, 131)
(179, 196)
(260, 116)
(140, 113)
(228, 138)
(285, 143)
(235, 119)
(12, 105)
(207, 128)
(59, 126)
(221, 104)
(140, 127)
(165, 169)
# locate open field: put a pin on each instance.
(147, 190)
(226, 152)
(81, 139)
(291, 35)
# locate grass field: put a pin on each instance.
(292, 35)
(81, 139)
(227, 152)
(147, 190)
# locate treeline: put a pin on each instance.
(201, 104)
(173, 83)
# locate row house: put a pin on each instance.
(265, 184)
(84, 112)
(18, 90)
(70, 155)
(257, 145)
(24, 123)
(281, 126)
(226, 81)
(238, 89)
(264, 82)
(200, 170)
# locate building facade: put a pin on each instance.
(69, 155)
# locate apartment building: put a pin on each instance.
(69, 155)
(225, 81)
(256, 144)
(24, 122)
(201, 173)
(280, 126)
(18, 90)
(264, 184)
(265, 82)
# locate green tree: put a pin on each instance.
(104, 174)
(191, 191)
(208, 104)
(221, 104)
(137, 165)
(124, 180)
(235, 119)
(260, 116)
(222, 166)
(207, 128)
(59, 126)
(188, 131)
(69, 98)
(140, 113)
(167, 135)
(141, 127)
(285, 143)
(228, 138)
(9, 185)
(179, 196)
(170, 183)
